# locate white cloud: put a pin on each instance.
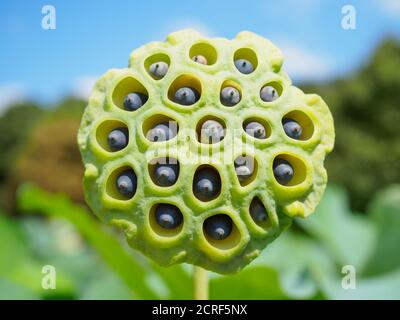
(11, 94)
(390, 7)
(82, 86)
(302, 64)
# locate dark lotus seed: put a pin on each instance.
(118, 139)
(258, 211)
(244, 66)
(292, 128)
(134, 101)
(158, 69)
(244, 167)
(200, 59)
(207, 184)
(218, 227)
(269, 94)
(161, 132)
(186, 96)
(283, 171)
(166, 174)
(211, 132)
(243, 173)
(168, 216)
(127, 183)
(256, 130)
(230, 96)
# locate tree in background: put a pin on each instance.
(50, 157)
(366, 110)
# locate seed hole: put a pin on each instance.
(230, 94)
(129, 94)
(206, 183)
(259, 213)
(122, 183)
(185, 90)
(112, 135)
(203, 53)
(246, 169)
(298, 125)
(271, 91)
(166, 220)
(289, 170)
(257, 128)
(210, 130)
(245, 60)
(164, 171)
(160, 128)
(221, 232)
(157, 65)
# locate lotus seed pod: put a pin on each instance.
(203, 213)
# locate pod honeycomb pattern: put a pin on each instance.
(188, 242)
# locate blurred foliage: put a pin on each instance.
(304, 263)
(15, 126)
(50, 151)
(365, 107)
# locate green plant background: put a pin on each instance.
(44, 220)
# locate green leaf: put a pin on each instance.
(177, 280)
(349, 238)
(298, 261)
(384, 287)
(252, 283)
(106, 287)
(384, 211)
(13, 246)
(13, 291)
(25, 271)
(31, 198)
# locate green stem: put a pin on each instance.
(200, 283)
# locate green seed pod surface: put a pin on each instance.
(189, 242)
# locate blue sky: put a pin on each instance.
(92, 36)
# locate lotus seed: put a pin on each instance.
(269, 94)
(168, 216)
(127, 183)
(244, 167)
(292, 128)
(258, 211)
(159, 69)
(200, 59)
(283, 171)
(244, 66)
(211, 132)
(186, 96)
(161, 132)
(230, 96)
(134, 101)
(118, 139)
(256, 130)
(207, 184)
(218, 227)
(166, 174)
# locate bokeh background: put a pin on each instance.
(46, 77)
